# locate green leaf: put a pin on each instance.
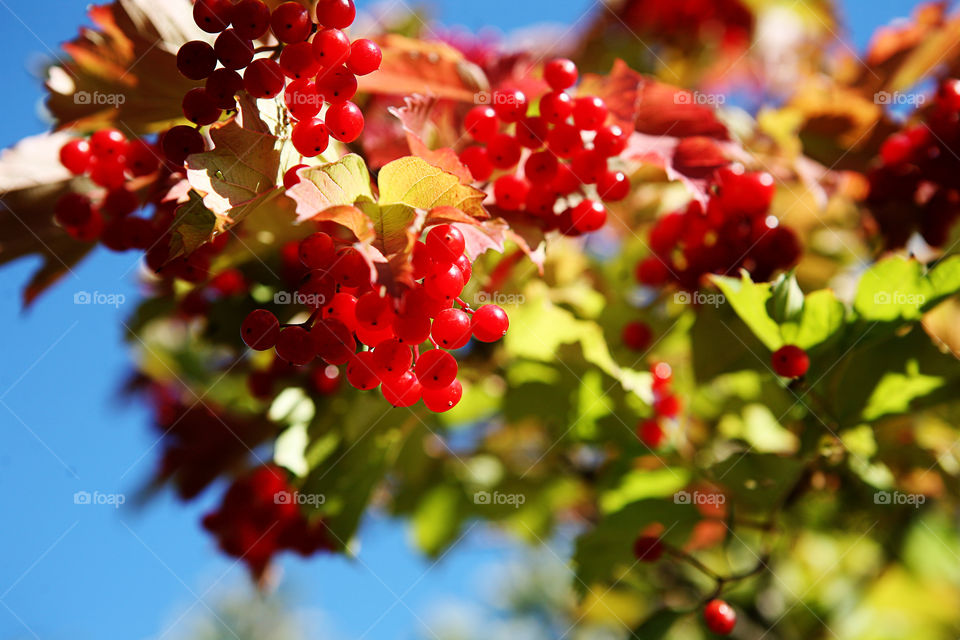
(657, 625)
(821, 318)
(194, 225)
(900, 288)
(723, 343)
(436, 521)
(414, 182)
(344, 182)
(757, 481)
(396, 226)
(750, 301)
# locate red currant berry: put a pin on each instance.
(310, 137)
(510, 106)
(481, 123)
(302, 100)
(336, 84)
(233, 50)
(213, 16)
(720, 617)
(142, 159)
(333, 342)
(611, 140)
(589, 113)
(89, 231)
(296, 346)
(466, 269)
(651, 434)
(556, 107)
(503, 151)
(263, 78)
(331, 47)
(564, 140)
(667, 406)
(108, 144)
(589, 215)
(445, 243)
(652, 271)
(260, 330)
(490, 323)
(181, 141)
(120, 202)
(451, 328)
(588, 166)
(511, 192)
(560, 74)
(222, 86)
(75, 156)
(445, 283)
(351, 269)
(412, 328)
(196, 60)
(317, 251)
(374, 312)
(297, 61)
(443, 399)
(648, 548)
(404, 391)
(742, 192)
(476, 160)
(565, 182)
(391, 359)
(540, 167)
(290, 22)
(790, 361)
(436, 369)
(613, 186)
(342, 308)
(250, 18)
(73, 210)
(365, 57)
(344, 121)
(361, 373)
(662, 376)
(532, 132)
(199, 108)
(108, 173)
(637, 335)
(338, 14)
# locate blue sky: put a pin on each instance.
(74, 571)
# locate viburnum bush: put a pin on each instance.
(421, 273)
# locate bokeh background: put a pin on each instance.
(147, 570)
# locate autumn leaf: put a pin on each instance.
(343, 182)
(414, 182)
(419, 125)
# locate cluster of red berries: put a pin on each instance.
(666, 405)
(915, 188)
(110, 161)
(733, 232)
(560, 166)
(309, 73)
(260, 516)
(349, 311)
(790, 361)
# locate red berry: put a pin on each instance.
(297, 61)
(199, 108)
(360, 372)
(589, 215)
(667, 406)
(511, 192)
(196, 60)
(741, 192)
(466, 269)
(564, 140)
(510, 106)
(790, 361)
(451, 328)
(651, 434)
(565, 182)
(222, 86)
(142, 158)
(302, 100)
(556, 107)
(662, 376)
(589, 113)
(331, 47)
(412, 328)
(73, 210)
(588, 166)
(481, 123)
(391, 359)
(108, 144)
(290, 22)
(365, 57)
(336, 84)
(436, 369)
(344, 121)
(181, 141)
(213, 16)
(233, 50)
(338, 14)
(560, 74)
(532, 132)
(260, 330)
(374, 312)
(444, 283)
(443, 399)
(250, 18)
(490, 323)
(317, 251)
(120, 202)
(648, 548)
(351, 269)
(108, 173)
(263, 78)
(310, 137)
(403, 391)
(296, 346)
(637, 335)
(75, 156)
(333, 342)
(342, 308)
(611, 140)
(476, 160)
(540, 167)
(720, 617)
(503, 151)
(445, 243)
(613, 186)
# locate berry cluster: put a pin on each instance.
(666, 405)
(309, 73)
(259, 516)
(733, 232)
(914, 188)
(348, 311)
(110, 161)
(566, 149)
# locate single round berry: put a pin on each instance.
(444, 283)
(589, 215)
(556, 107)
(342, 308)
(338, 14)
(290, 22)
(613, 186)
(333, 342)
(391, 359)
(790, 361)
(296, 346)
(652, 271)
(490, 323)
(213, 16)
(466, 269)
(540, 167)
(720, 617)
(181, 141)
(532, 132)
(108, 172)
(75, 156)
(648, 548)
(637, 335)
(564, 140)
(141, 159)
(503, 151)
(365, 57)
(510, 106)
(662, 376)
(120, 202)
(361, 373)
(588, 166)
(651, 434)
(481, 123)
(743, 192)
(73, 210)
(317, 251)
(560, 74)
(297, 61)
(478, 162)
(108, 144)
(199, 108)
(443, 399)
(250, 18)
(302, 100)
(667, 406)
(331, 47)
(589, 113)
(222, 86)
(611, 140)
(511, 192)
(233, 50)
(310, 137)
(403, 391)
(260, 330)
(351, 269)
(374, 311)
(344, 121)
(412, 328)
(196, 60)
(445, 243)
(336, 84)
(451, 328)
(263, 78)
(436, 369)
